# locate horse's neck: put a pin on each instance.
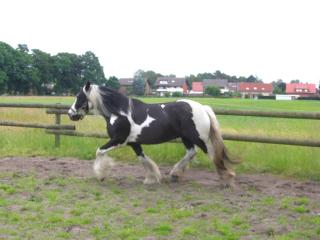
(113, 103)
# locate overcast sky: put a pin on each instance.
(269, 38)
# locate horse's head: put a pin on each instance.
(81, 105)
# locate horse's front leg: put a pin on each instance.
(103, 163)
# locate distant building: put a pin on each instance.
(126, 85)
(286, 97)
(197, 88)
(127, 89)
(171, 85)
(253, 90)
(222, 84)
(233, 87)
(301, 89)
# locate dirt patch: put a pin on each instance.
(271, 185)
(61, 197)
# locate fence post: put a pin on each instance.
(57, 136)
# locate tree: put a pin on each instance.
(3, 81)
(295, 81)
(212, 91)
(113, 82)
(252, 79)
(138, 84)
(26, 76)
(7, 67)
(91, 70)
(149, 75)
(44, 63)
(138, 87)
(67, 73)
(279, 87)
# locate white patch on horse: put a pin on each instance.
(153, 173)
(95, 98)
(113, 118)
(200, 118)
(163, 106)
(180, 167)
(72, 108)
(136, 129)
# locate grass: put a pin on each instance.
(66, 208)
(301, 162)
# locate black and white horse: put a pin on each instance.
(132, 122)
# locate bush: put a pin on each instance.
(167, 94)
(212, 91)
(177, 94)
(309, 98)
(266, 97)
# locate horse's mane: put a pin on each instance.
(113, 101)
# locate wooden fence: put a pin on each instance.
(57, 129)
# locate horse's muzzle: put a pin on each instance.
(74, 116)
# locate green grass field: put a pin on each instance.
(301, 162)
(67, 207)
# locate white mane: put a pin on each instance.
(94, 96)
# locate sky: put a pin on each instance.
(271, 39)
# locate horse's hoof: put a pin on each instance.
(229, 185)
(151, 181)
(174, 178)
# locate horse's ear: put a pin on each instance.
(87, 87)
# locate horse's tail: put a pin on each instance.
(218, 151)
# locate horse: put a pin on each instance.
(133, 123)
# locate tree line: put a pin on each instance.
(24, 71)
(35, 72)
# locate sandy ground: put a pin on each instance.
(267, 184)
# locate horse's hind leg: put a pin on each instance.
(180, 167)
(153, 174)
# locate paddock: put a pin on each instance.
(59, 197)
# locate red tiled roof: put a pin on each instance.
(300, 88)
(197, 86)
(255, 87)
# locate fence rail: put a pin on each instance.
(69, 130)
(37, 125)
(232, 137)
(63, 109)
(34, 105)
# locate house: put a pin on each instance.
(127, 89)
(222, 84)
(253, 90)
(126, 86)
(233, 87)
(301, 89)
(197, 88)
(171, 85)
